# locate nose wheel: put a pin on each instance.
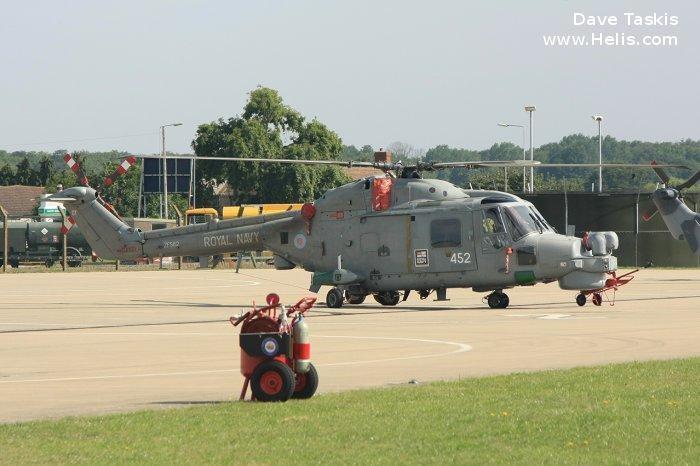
(498, 300)
(596, 299)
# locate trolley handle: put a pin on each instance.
(303, 305)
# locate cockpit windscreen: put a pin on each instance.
(522, 221)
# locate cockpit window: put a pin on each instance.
(540, 218)
(521, 221)
(491, 222)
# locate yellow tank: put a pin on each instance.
(251, 210)
(201, 215)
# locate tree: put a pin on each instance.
(269, 129)
(25, 174)
(405, 152)
(7, 176)
(45, 170)
(65, 178)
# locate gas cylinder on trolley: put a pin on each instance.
(275, 354)
(301, 354)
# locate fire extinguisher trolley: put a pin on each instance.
(275, 351)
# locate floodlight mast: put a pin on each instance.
(165, 167)
(508, 125)
(530, 109)
(599, 119)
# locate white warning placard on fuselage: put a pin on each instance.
(420, 258)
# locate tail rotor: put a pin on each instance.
(74, 164)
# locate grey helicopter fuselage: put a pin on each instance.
(428, 235)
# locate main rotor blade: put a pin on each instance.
(690, 182)
(609, 165)
(659, 172)
(481, 164)
(341, 163)
(421, 165)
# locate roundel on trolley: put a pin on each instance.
(269, 346)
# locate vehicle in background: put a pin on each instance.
(42, 242)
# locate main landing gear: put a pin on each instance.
(596, 299)
(498, 300)
(336, 298)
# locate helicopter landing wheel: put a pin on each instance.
(334, 298)
(597, 299)
(388, 298)
(354, 298)
(498, 300)
(581, 299)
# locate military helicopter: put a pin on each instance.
(385, 236)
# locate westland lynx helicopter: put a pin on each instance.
(384, 236)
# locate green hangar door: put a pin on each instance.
(442, 242)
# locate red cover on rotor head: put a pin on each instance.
(381, 193)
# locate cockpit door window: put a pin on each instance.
(445, 233)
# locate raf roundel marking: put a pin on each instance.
(300, 241)
(269, 346)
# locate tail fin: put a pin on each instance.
(108, 236)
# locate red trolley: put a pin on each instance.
(276, 352)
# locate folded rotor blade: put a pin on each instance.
(660, 173)
(690, 182)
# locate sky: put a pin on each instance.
(86, 75)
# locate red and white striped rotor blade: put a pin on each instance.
(67, 224)
(121, 169)
(75, 167)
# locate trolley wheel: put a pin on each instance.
(14, 263)
(334, 298)
(354, 298)
(272, 381)
(597, 299)
(388, 298)
(581, 299)
(306, 384)
(48, 263)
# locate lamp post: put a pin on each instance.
(165, 167)
(530, 109)
(599, 119)
(509, 125)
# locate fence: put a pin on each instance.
(640, 241)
